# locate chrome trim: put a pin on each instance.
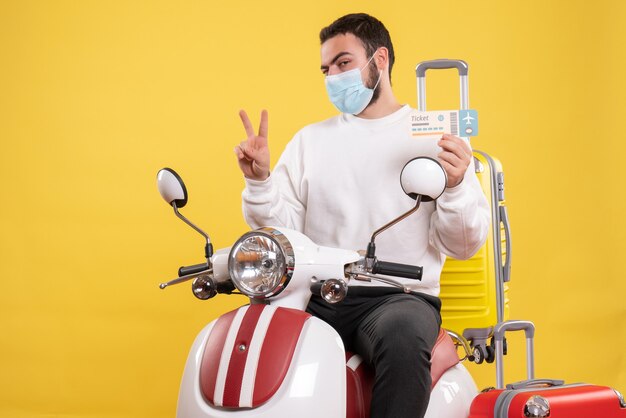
(388, 225)
(288, 253)
(622, 403)
(331, 286)
(191, 224)
(203, 287)
(196, 228)
(478, 166)
(537, 407)
(462, 341)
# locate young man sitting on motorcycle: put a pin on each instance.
(337, 181)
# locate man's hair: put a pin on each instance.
(368, 29)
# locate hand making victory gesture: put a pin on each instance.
(253, 154)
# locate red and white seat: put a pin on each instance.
(360, 376)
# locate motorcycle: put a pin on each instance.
(272, 359)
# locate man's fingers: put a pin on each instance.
(263, 124)
(455, 175)
(246, 123)
(451, 159)
(456, 145)
(239, 153)
(449, 172)
(450, 145)
(246, 151)
(446, 166)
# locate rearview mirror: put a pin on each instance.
(173, 191)
(423, 176)
(171, 187)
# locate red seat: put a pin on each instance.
(360, 377)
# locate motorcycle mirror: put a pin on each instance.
(423, 176)
(171, 187)
(422, 179)
(174, 192)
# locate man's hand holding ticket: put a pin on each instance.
(439, 132)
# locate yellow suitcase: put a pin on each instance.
(474, 292)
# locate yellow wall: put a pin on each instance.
(95, 97)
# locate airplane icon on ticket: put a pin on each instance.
(468, 119)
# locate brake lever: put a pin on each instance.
(185, 278)
(368, 277)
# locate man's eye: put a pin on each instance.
(342, 63)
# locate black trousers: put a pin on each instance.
(395, 333)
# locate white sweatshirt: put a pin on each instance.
(339, 180)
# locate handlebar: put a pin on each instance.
(406, 271)
(196, 268)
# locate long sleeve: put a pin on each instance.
(337, 181)
(277, 200)
(459, 226)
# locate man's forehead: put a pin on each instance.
(341, 43)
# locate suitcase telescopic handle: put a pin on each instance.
(441, 64)
(498, 338)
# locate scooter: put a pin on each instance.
(272, 359)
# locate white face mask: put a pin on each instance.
(347, 91)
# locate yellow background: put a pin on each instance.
(95, 97)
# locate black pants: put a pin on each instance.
(395, 333)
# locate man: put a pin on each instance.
(338, 180)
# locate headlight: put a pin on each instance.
(261, 263)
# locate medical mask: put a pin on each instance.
(347, 91)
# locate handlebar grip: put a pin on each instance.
(406, 271)
(196, 268)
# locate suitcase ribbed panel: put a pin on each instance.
(469, 290)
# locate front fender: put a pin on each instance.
(313, 384)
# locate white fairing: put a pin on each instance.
(313, 387)
(313, 262)
(220, 265)
(452, 395)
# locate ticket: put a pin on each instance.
(463, 123)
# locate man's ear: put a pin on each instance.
(381, 56)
